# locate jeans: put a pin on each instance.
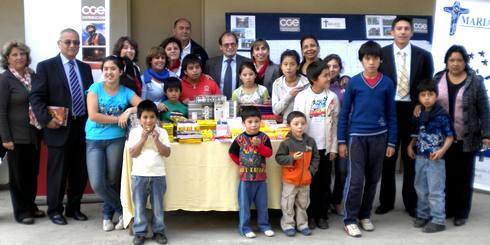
(104, 166)
(142, 186)
(253, 192)
(430, 178)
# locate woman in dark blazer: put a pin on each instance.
(127, 49)
(267, 70)
(20, 131)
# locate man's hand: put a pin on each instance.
(54, 123)
(390, 151)
(8, 145)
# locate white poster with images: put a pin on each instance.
(244, 27)
(379, 26)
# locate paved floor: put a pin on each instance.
(220, 228)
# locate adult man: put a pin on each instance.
(224, 68)
(61, 81)
(182, 31)
(406, 65)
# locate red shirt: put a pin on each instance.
(372, 81)
(205, 86)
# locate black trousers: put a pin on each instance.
(387, 193)
(320, 192)
(460, 172)
(67, 170)
(23, 163)
(339, 183)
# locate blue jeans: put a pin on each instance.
(430, 178)
(253, 192)
(104, 166)
(142, 186)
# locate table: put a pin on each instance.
(201, 177)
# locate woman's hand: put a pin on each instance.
(123, 119)
(8, 145)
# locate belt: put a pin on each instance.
(252, 170)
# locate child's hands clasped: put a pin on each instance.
(298, 155)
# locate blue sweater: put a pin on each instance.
(373, 110)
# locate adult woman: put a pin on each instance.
(154, 76)
(19, 131)
(267, 70)
(462, 93)
(173, 49)
(106, 104)
(310, 48)
(127, 49)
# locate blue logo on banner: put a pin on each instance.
(455, 12)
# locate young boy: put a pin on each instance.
(248, 151)
(367, 125)
(433, 137)
(194, 82)
(173, 89)
(148, 145)
(299, 157)
(321, 107)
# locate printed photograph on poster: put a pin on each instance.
(93, 34)
(379, 26)
(244, 27)
(90, 54)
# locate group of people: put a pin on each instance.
(355, 125)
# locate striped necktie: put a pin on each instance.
(77, 101)
(402, 88)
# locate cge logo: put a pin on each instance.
(289, 24)
(93, 10)
(420, 25)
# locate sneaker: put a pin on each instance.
(366, 224)
(433, 227)
(311, 223)
(160, 238)
(322, 224)
(306, 232)
(120, 223)
(250, 235)
(419, 222)
(138, 240)
(269, 233)
(290, 232)
(353, 230)
(107, 225)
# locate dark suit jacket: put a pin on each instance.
(213, 68)
(200, 52)
(50, 88)
(421, 67)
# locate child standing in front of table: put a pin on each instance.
(249, 151)
(299, 158)
(148, 145)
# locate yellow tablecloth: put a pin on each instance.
(201, 177)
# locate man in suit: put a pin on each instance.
(62, 81)
(406, 65)
(182, 31)
(224, 68)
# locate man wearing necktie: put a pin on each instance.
(224, 68)
(406, 65)
(62, 81)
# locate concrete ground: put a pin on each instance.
(221, 228)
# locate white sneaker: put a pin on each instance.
(107, 225)
(120, 223)
(269, 233)
(366, 224)
(250, 235)
(353, 230)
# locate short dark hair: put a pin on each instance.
(289, 53)
(118, 46)
(188, 60)
(250, 111)
(427, 85)
(314, 70)
(370, 48)
(293, 115)
(146, 105)
(401, 18)
(118, 61)
(227, 33)
(171, 82)
(335, 57)
(458, 49)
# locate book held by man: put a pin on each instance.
(60, 113)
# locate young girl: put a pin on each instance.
(250, 92)
(286, 87)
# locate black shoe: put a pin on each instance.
(412, 212)
(311, 223)
(58, 219)
(322, 224)
(76, 215)
(383, 209)
(38, 214)
(432, 228)
(459, 221)
(419, 222)
(138, 240)
(27, 221)
(160, 238)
